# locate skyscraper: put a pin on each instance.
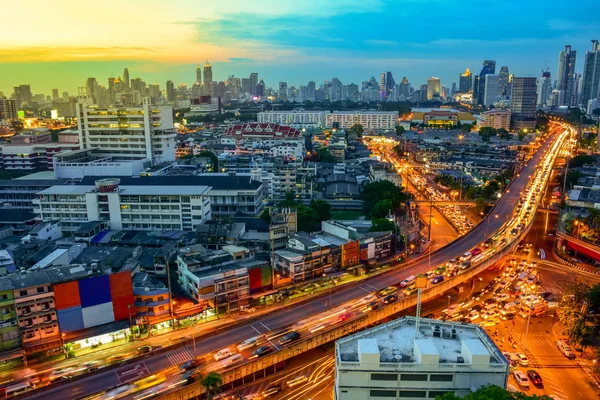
(523, 102)
(489, 67)
(491, 89)
(170, 91)
(433, 88)
(566, 72)
(208, 78)
(23, 95)
(336, 89)
(253, 83)
(389, 83)
(90, 86)
(310, 91)
(260, 88)
(465, 82)
(382, 91)
(199, 74)
(126, 77)
(503, 81)
(404, 89)
(544, 86)
(283, 96)
(591, 74)
(54, 94)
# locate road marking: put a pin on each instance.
(542, 254)
(372, 287)
(133, 372)
(259, 332)
(179, 356)
(266, 327)
(366, 290)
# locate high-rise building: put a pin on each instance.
(489, 68)
(126, 77)
(423, 93)
(208, 78)
(523, 100)
(23, 95)
(260, 88)
(336, 89)
(90, 86)
(503, 82)
(433, 88)
(566, 73)
(591, 74)
(310, 91)
(453, 88)
(54, 94)
(382, 85)
(170, 91)
(199, 74)
(544, 87)
(475, 90)
(491, 89)
(154, 92)
(404, 89)
(283, 95)
(8, 109)
(465, 82)
(253, 83)
(389, 83)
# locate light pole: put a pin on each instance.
(194, 338)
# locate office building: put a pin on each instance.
(132, 133)
(391, 361)
(253, 83)
(566, 74)
(523, 102)
(368, 119)
(297, 118)
(489, 68)
(495, 119)
(283, 91)
(404, 89)
(310, 91)
(389, 83)
(170, 91)
(23, 96)
(208, 79)
(591, 74)
(503, 82)
(592, 105)
(544, 89)
(54, 94)
(126, 78)
(491, 90)
(433, 88)
(8, 109)
(465, 82)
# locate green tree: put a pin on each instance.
(266, 215)
(486, 133)
(213, 159)
(308, 219)
(503, 134)
(323, 209)
(492, 392)
(381, 225)
(290, 200)
(581, 160)
(325, 155)
(212, 383)
(521, 134)
(399, 130)
(373, 192)
(382, 208)
(356, 130)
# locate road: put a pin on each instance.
(501, 213)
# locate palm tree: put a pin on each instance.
(593, 218)
(212, 384)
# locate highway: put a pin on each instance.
(268, 324)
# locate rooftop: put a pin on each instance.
(215, 182)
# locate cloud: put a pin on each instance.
(240, 59)
(52, 54)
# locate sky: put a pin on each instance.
(59, 44)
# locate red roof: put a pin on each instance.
(255, 129)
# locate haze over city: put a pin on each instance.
(63, 44)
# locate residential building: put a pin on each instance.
(392, 361)
(283, 224)
(151, 299)
(566, 74)
(465, 82)
(523, 102)
(297, 118)
(170, 91)
(544, 91)
(9, 328)
(491, 90)
(370, 120)
(591, 74)
(433, 88)
(503, 90)
(23, 96)
(8, 109)
(132, 133)
(496, 119)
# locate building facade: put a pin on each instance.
(591, 74)
(368, 119)
(566, 74)
(298, 118)
(8, 109)
(496, 119)
(523, 102)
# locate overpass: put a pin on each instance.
(582, 246)
(448, 202)
(155, 363)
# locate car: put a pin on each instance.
(191, 364)
(289, 337)
(511, 358)
(271, 390)
(487, 302)
(248, 343)
(117, 358)
(430, 274)
(477, 295)
(473, 315)
(299, 380)
(534, 377)
(374, 305)
(262, 351)
(523, 360)
(521, 379)
(143, 349)
(61, 373)
(390, 299)
(408, 281)
(437, 279)
(223, 353)
(508, 316)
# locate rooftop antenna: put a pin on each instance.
(420, 284)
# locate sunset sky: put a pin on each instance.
(58, 44)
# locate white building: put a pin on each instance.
(496, 119)
(132, 133)
(368, 119)
(490, 90)
(126, 207)
(389, 362)
(592, 104)
(298, 118)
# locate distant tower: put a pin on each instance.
(591, 74)
(465, 82)
(566, 73)
(208, 78)
(126, 77)
(503, 81)
(199, 74)
(170, 91)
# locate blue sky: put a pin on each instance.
(291, 40)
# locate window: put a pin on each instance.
(383, 393)
(23, 293)
(434, 393)
(412, 393)
(384, 377)
(40, 290)
(440, 378)
(413, 377)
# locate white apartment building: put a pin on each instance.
(298, 118)
(129, 133)
(389, 362)
(496, 119)
(126, 207)
(368, 119)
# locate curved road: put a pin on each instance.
(154, 363)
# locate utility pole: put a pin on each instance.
(170, 295)
(430, 216)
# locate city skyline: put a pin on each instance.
(282, 42)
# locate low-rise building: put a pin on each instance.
(391, 361)
(495, 119)
(370, 120)
(297, 118)
(9, 328)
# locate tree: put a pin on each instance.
(399, 130)
(381, 225)
(572, 178)
(356, 130)
(521, 134)
(382, 208)
(213, 159)
(325, 155)
(323, 209)
(212, 384)
(266, 215)
(486, 133)
(581, 160)
(373, 192)
(289, 200)
(503, 134)
(492, 392)
(308, 219)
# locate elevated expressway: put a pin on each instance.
(501, 214)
